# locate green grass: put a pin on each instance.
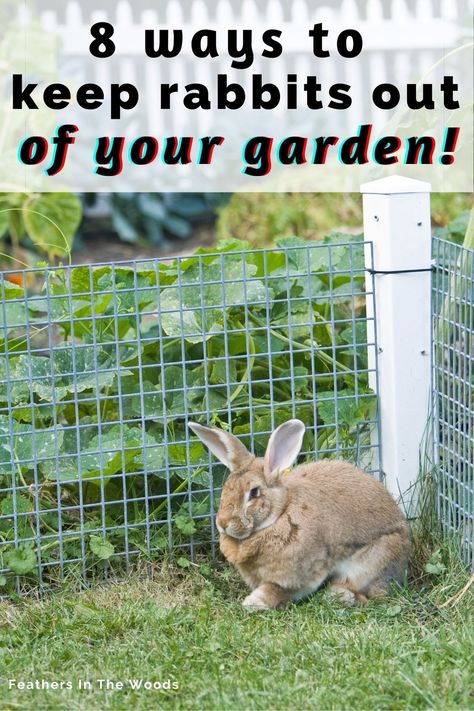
(404, 653)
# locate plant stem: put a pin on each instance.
(164, 503)
(246, 375)
(319, 353)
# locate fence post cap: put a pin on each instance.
(395, 184)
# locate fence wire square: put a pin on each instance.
(453, 377)
(102, 367)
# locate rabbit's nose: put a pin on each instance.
(221, 524)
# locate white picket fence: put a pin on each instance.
(401, 37)
(271, 11)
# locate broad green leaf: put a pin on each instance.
(299, 379)
(66, 469)
(13, 315)
(435, 565)
(21, 560)
(7, 508)
(26, 413)
(21, 445)
(6, 391)
(106, 464)
(124, 228)
(57, 306)
(298, 326)
(323, 271)
(131, 292)
(269, 344)
(13, 307)
(267, 262)
(202, 475)
(172, 389)
(83, 280)
(306, 257)
(223, 372)
(3, 581)
(117, 449)
(185, 524)
(183, 563)
(357, 335)
(148, 405)
(51, 220)
(171, 382)
(182, 454)
(350, 410)
(200, 507)
(13, 291)
(211, 255)
(176, 321)
(101, 547)
(178, 227)
(67, 372)
(198, 311)
(23, 505)
(70, 300)
(350, 257)
(345, 413)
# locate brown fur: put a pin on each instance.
(325, 522)
(328, 512)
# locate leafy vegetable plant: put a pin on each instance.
(48, 220)
(103, 367)
(154, 217)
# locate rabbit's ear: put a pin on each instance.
(283, 447)
(227, 448)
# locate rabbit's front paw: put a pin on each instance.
(256, 601)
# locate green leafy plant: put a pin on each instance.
(47, 222)
(154, 217)
(94, 393)
(435, 565)
(101, 547)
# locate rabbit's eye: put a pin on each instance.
(254, 493)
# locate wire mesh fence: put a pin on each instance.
(102, 367)
(453, 379)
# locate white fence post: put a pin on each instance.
(397, 221)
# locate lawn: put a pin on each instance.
(187, 626)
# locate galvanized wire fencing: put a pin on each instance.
(453, 380)
(102, 367)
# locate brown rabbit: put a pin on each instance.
(288, 533)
